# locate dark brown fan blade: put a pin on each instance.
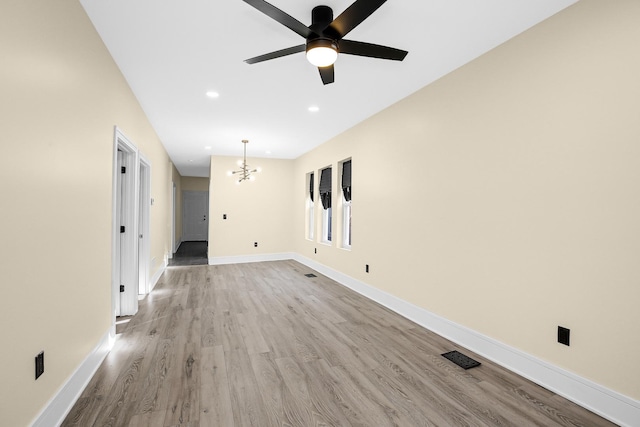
(372, 50)
(327, 74)
(276, 54)
(354, 15)
(280, 16)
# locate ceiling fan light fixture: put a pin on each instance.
(322, 52)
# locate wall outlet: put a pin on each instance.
(563, 335)
(315, 250)
(255, 244)
(224, 216)
(39, 364)
(366, 268)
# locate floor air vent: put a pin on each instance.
(310, 275)
(461, 360)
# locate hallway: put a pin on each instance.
(190, 253)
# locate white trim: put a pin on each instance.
(243, 259)
(61, 403)
(605, 402)
(144, 220)
(346, 224)
(174, 244)
(178, 243)
(154, 280)
(327, 225)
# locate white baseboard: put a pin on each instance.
(156, 276)
(242, 259)
(175, 249)
(61, 403)
(607, 403)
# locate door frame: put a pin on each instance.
(173, 220)
(125, 212)
(144, 200)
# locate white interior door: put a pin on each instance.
(195, 212)
(125, 272)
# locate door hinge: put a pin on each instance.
(122, 228)
(121, 288)
(123, 169)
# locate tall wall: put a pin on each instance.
(61, 95)
(259, 211)
(191, 183)
(505, 196)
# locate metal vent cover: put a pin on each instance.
(465, 362)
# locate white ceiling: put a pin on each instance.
(172, 52)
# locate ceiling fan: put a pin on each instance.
(324, 37)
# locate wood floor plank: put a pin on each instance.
(378, 404)
(147, 419)
(278, 333)
(246, 399)
(184, 395)
(308, 404)
(251, 333)
(209, 334)
(215, 401)
(355, 407)
(271, 386)
(262, 345)
(155, 387)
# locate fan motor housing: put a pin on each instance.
(321, 15)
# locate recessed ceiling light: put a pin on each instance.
(267, 152)
(208, 147)
(314, 109)
(213, 94)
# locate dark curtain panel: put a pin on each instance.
(346, 180)
(325, 188)
(311, 186)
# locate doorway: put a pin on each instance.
(190, 253)
(130, 225)
(195, 209)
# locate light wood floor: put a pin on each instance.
(263, 345)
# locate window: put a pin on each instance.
(325, 197)
(346, 204)
(310, 207)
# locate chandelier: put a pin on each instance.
(245, 172)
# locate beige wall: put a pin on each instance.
(258, 211)
(190, 183)
(505, 197)
(60, 96)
